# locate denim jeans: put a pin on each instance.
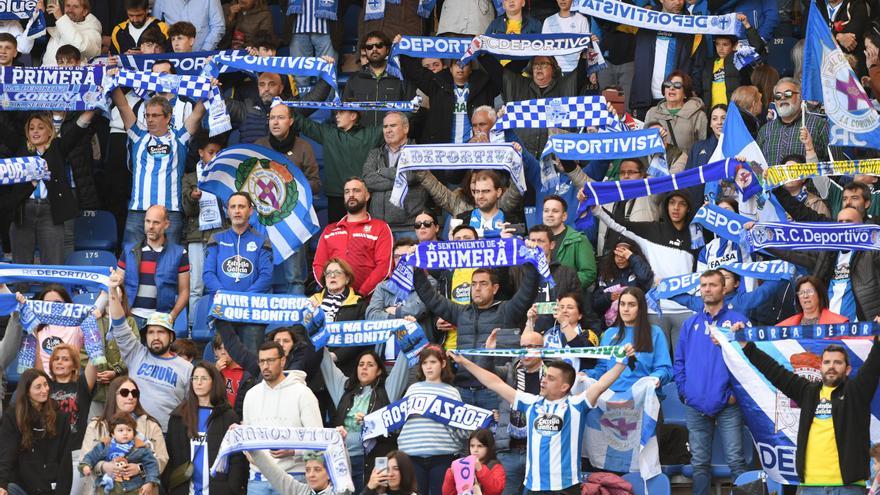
(261, 487)
(430, 472)
(310, 45)
(701, 432)
(196, 254)
(482, 397)
(831, 490)
(296, 272)
(357, 472)
(134, 227)
(251, 335)
(514, 462)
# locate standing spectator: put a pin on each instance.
(848, 21)
(513, 20)
(239, 259)
(311, 36)
(681, 117)
(571, 248)
(36, 434)
(372, 82)
(40, 209)
(763, 14)
(699, 155)
(74, 25)
(658, 53)
(623, 267)
(812, 303)
(155, 270)
(398, 18)
(566, 21)
(205, 15)
(126, 35)
(359, 239)
(704, 384)
(466, 18)
(244, 19)
(115, 366)
(721, 77)
(454, 285)
(279, 400)
(158, 158)
(162, 375)
(340, 302)
(780, 137)
(195, 431)
(462, 200)
(764, 77)
(233, 374)
(182, 36)
(380, 172)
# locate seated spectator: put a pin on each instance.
(233, 374)
(812, 305)
(489, 472)
(186, 349)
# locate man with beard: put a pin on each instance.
(162, 377)
(834, 428)
(780, 137)
(359, 239)
(372, 82)
(126, 35)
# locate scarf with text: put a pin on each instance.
(569, 112)
(450, 412)
(355, 106)
(639, 17)
(425, 47)
(273, 309)
(722, 222)
(23, 169)
(291, 66)
(51, 88)
(855, 329)
(605, 145)
(778, 175)
(610, 352)
(519, 46)
(184, 63)
(409, 335)
(88, 276)
(819, 236)
(33, 314)
(324, 9)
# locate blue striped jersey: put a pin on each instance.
(307, 22)
(555, 434)
(157, 164)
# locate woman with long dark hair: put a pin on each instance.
(398, 479)
(490, 473)
(624, 267)
(367, 389)
(195, 431)
(35, 458)
(649, 342)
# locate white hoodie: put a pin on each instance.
(290, 403)
(85, 36)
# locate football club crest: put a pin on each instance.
(270, 186)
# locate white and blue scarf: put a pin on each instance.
(33, 314)
(721, 222)
(20, 10)
(778, 175)
(610, 352)
(681, 284)
(241, 438)
(324, 9)
(849, 330)
(274, 309)
(425, 47)
(480, 253)
(23, 169)
(184, 63)
(605, 145)
(520, 46)
(292, 66)
(89, 276)
(463, 156)
(375, 9)
(642, 18)
(409, 335)
(568, 112)
(450, 412)
(51, 88)
(819, 236)
(411, 106)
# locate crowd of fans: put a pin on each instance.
(151, 419)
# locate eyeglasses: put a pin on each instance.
(423, 225)
(334, 273)
(784, 95)
(124, 392)
(201, 378)
(676, 85)
(806, 293)
(268, 361)
(377, 46)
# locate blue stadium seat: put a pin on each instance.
(91, 258)
(181, 328)
(12, 375)
(720, 469)
(200, 330)
(658, 485)
(673, 409)
(208, 355)
(779, 54)
(95, 229)
(532, 216)
(86, 298)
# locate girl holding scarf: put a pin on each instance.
(721, 251)
(431, 445)
(812, 303)
(649, 342)
(624, 267)
(490, 478)
(366, 390)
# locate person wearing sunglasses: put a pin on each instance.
(681, 117)
(372, 82)
(781, 136)
(123, 395)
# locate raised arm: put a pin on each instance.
(194, 122)
(491, 380)
(607, 379)
(125, 111)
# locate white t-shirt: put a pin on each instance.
(576, 23)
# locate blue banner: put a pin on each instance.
(274, 309)
(23, 169)
(809, 332)
(89, 276)
(450, 412)
(17, 10)
(818, 236)
(425, 47)
(605, 145)
(827, 77)
(185, 63)
(51, 88)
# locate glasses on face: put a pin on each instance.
(423, 225)
(806, 293)
(376, 46)
(785, 95)
(334, 273)
(267, 361)
(201, 378)
(676, 85)
(125, 392)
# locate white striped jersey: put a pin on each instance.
(555, 434)
(307, 22)
(157, 165)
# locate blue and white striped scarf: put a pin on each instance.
(23, 169)
(642, 18)
(33, 314)
(324, 9)
(568, 112)
(425, 47)
(89, 276)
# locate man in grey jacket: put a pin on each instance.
(379, 172)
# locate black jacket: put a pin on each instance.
(81, 163)
(364, 86)
(850, 410)
(440, 90)
(178, 443)
(733, 77)
(46, 463)
(378, 400)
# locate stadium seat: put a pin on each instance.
(208, 354)
(86, 298)
(779, 54)
(91, 258)
(95, 230)
(673, 409)
(200, 330)
(181, 329)
(532, 217)
(658, 485)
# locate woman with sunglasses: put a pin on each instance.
(340, 302)
(681, 117)
(123, 396)
(195, 431)
(427, 226)
(812, 304)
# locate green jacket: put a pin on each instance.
(344, 151)
(577, 252)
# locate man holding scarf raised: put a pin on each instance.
(555, 421)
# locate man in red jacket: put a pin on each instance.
(364, 242)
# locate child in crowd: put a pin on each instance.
(183, 36)
(123, 448)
